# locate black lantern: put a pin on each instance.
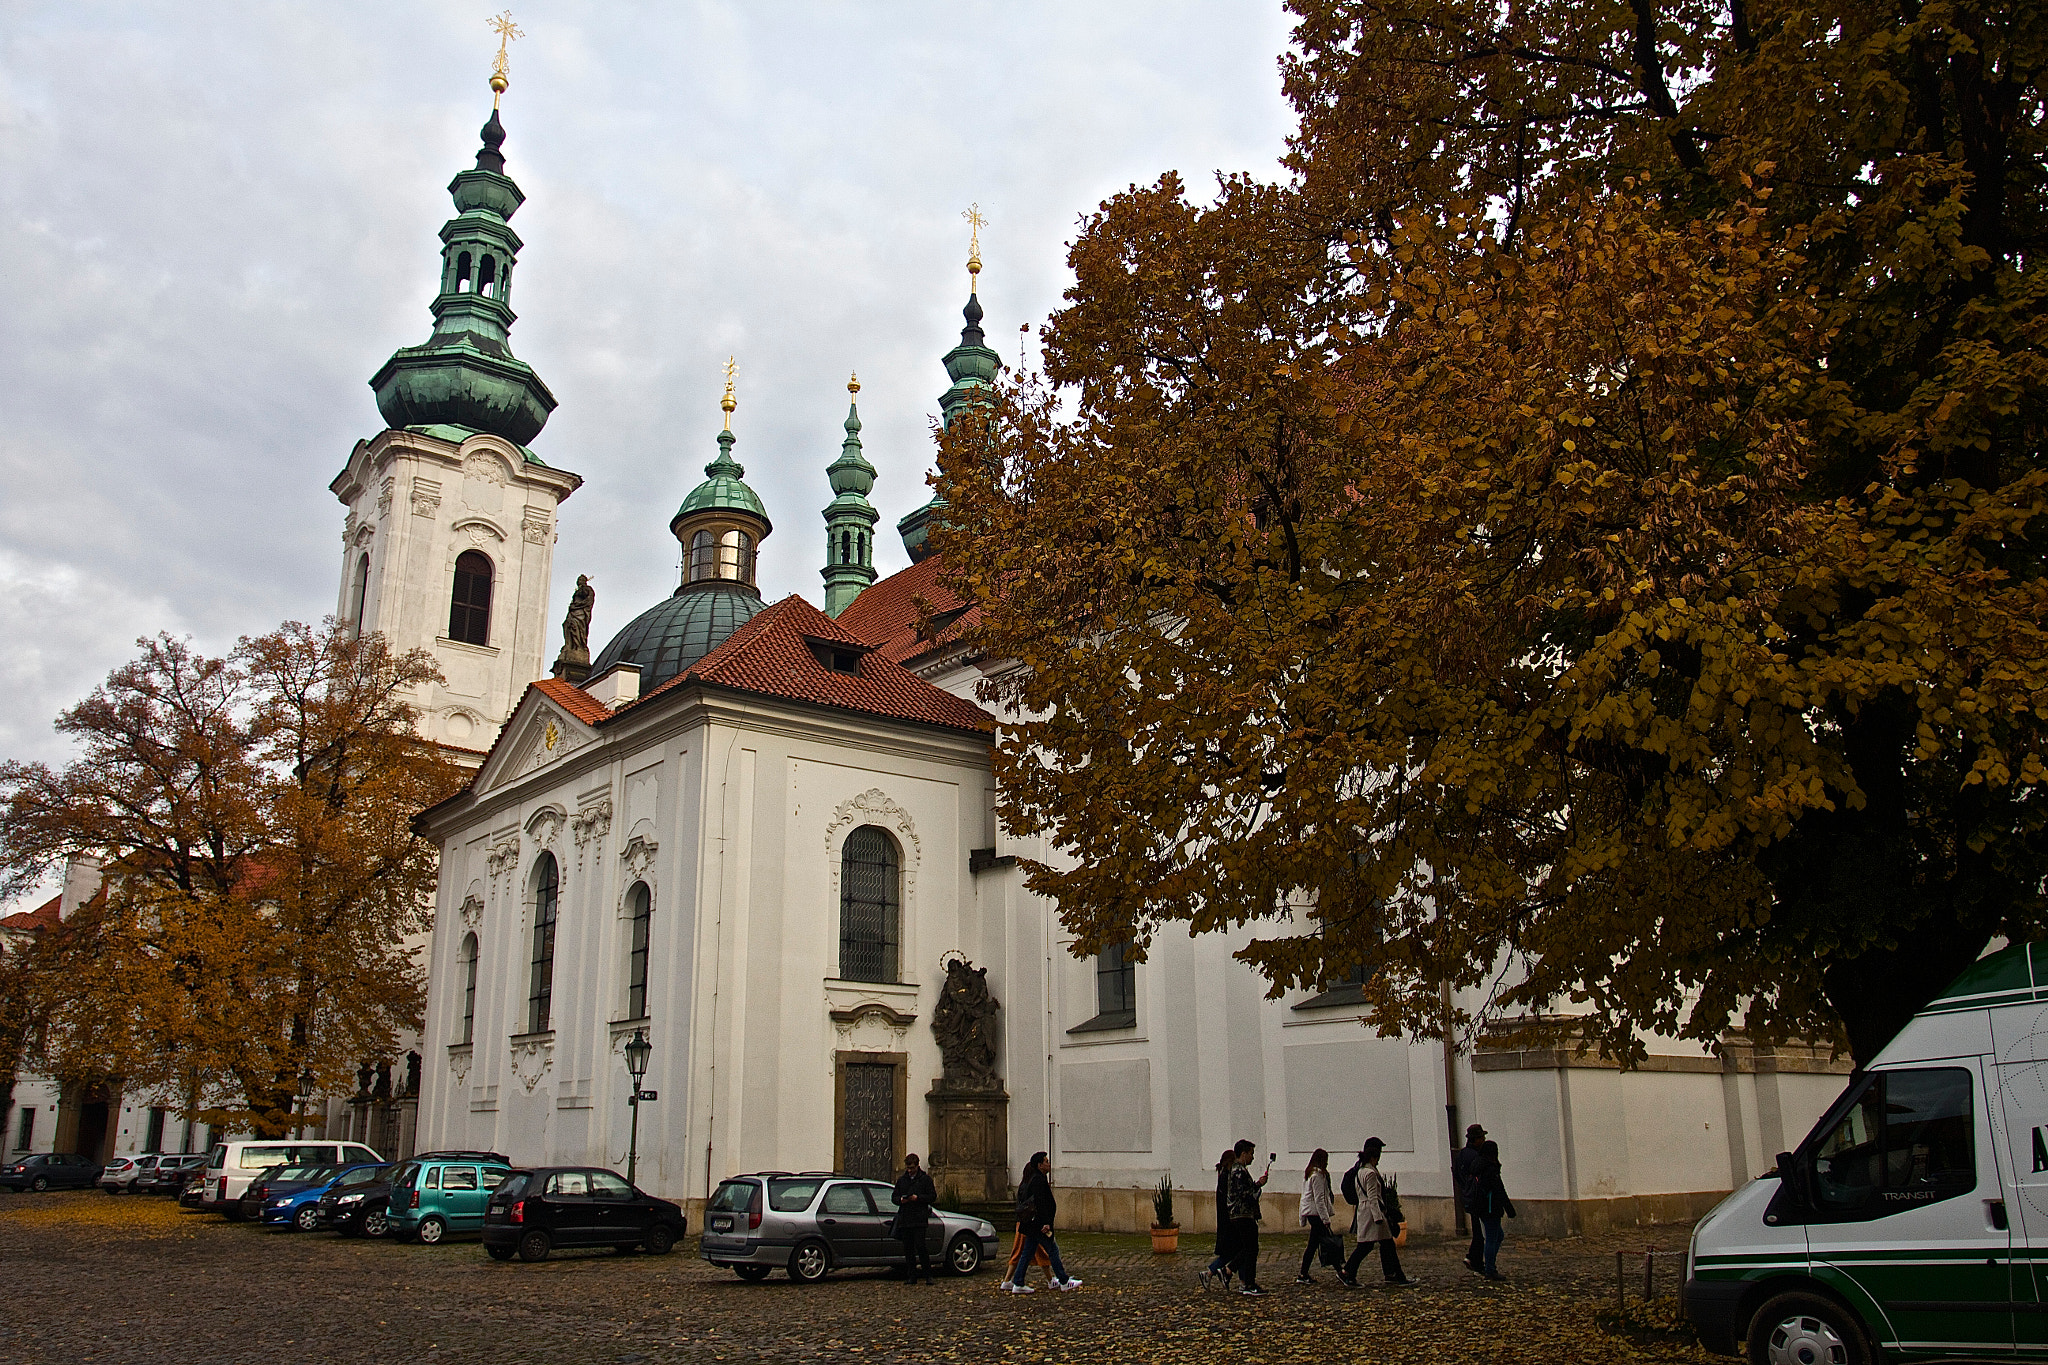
(638, 1050)
(306, 1083)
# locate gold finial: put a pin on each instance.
(501, 65)
(976, 223)
(853, 384)
(728, 403)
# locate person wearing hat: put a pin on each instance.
(1464, 1186)
(1371, 1223)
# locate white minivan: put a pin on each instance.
(232, 1165)
(1914, 1218)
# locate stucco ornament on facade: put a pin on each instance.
(485, 468)
(473, 905)
(384, 497)
(532, 1058)
(503, 857)
(873, 807)
(479, 530)
(544, 826)
(535, 527)
(458, 1061)
(591, 823)
(426, 497)
(638, 856)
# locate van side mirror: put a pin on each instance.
(1792, 1175)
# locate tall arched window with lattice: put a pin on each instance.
(640, 901)
(870, 906)
(540, 991)
(469, 960)
(469, 605)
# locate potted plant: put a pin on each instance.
(1165, 1232)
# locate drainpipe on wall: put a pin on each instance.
(1451, 1106)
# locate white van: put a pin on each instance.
(1914, 1218)
(232, 1165)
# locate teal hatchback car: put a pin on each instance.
(439, 1195)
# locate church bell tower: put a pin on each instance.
(450, 531)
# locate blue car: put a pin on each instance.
(290, 1195)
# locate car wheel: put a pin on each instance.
(431, 1232)
(809, 1262)
(660, 1240)
(501, 1253)
(1805, 1329)
(751, 1272)
(963, 1254)
(306, 1219)
(40, 1184)
(534, 1246)
(377, 1223)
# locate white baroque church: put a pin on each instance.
(759, 835)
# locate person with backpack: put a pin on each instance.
(1317, 1209)
(1488, 1203)
(1377, 1219)
(914, 1196)
(1464, 1184)
(1218, 1269)
(1036, 1209)
(1243, 1199)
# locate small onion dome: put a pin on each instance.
(723, 490)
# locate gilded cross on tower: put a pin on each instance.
(501, 65)
(975, 224)
(728, 403)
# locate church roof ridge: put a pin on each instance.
(888, 615)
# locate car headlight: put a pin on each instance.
(985, 1228)
(349, 1199)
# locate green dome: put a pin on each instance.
(667, 638)
(723, 489)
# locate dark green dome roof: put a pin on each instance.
(667, 638)
(724, 488)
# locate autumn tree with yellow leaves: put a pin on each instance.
(251, 816)
(1575, 541)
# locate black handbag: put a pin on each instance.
(1390, 1204)
(1331, 1253)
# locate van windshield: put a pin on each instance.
(218, 1157)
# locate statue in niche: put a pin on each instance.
(965, 1025)
(383, 1090)
(573, 664)
(412, 1074)
(363, 1079)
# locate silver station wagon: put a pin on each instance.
(810, 1223)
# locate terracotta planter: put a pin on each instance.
(1165, 1241)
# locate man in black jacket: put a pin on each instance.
(915, 1194)
(1036, 1208)
(1464, 1183)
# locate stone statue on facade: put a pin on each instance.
(965, 1025)
(412, 1074)
(573, 663)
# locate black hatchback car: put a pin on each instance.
(50, 1171)
(535, 1211)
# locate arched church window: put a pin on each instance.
(870, 906)
(360, 594)
(462, 273)
(469, 607)
(487, 275)
(736, 556)
(641, 902)
(540, 989)
(703, 550)
(846, 547)
(469, 958)
(863, 549)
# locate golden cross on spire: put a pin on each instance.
(853, 384)
(501, 65)
(728, 403)
(975, 224)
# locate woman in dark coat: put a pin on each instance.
(1220, 1266)
(1036, 1209)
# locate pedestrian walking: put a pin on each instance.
(1036, 1209)
(1464, 1185)
(1318, 1208)
(914, 1195)
(1218, 1269)
(1489, 1202)
(1243, 1200)
(1371, 1223)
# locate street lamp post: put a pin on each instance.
(306, 1083)
(638, 1050)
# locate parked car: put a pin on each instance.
(355, 1205)
(50, 1171)
(812, 1222)
(170, 1174)
(281, 1183)
(533, 1212)
(443, 1193)
(230, 1166)
(119, 1175)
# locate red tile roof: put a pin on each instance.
(574, 700)
(43, 916)
(886, 614)
(772, 656)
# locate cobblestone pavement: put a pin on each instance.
(137, 1281)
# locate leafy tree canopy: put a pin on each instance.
(1574, 542)
(251, 816)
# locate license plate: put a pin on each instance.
(722, 1223)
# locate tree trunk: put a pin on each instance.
(1879, 991)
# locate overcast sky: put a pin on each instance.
(217, 220)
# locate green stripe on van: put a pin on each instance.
(2009, 969)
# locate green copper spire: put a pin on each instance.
(849, 518)
(465, 375)
(972, 367)
(724, 488)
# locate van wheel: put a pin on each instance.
(1805, 1329)
(809, 1262)
(432, 1230)
(534, 1246)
